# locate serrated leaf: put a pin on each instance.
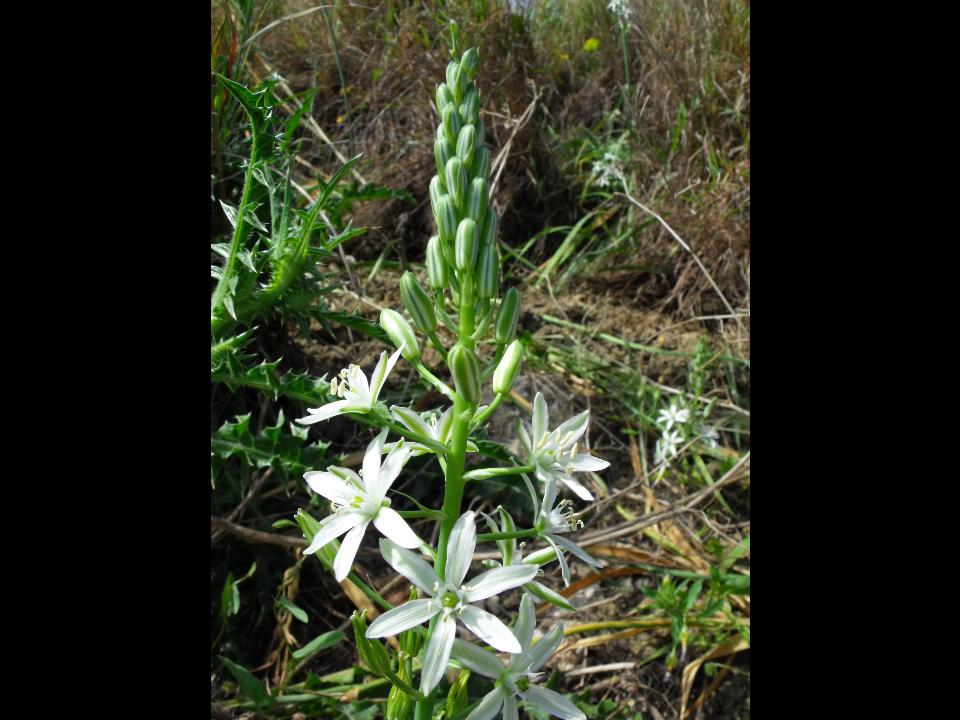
(321, 642)
(249, 685)
(297, 612)
(231, 212)
(228, 301)
(357, 323)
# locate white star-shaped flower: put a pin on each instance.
(667, 446)
(708, 435)
(358, 395)
(555, 454)
(430, 424)
(552, 521)
(450, 599)
(360, 501)
(515, 679)
(672, 415)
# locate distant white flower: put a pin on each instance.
(450, 599)
(515, 679)
(360, 501)
(667, 446)
(672, 415)
(358, 395)
(554, 454)
(620, 9)
(430, 424)
(709, 435)
(552, 521)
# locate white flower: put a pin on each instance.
(551, 521)
(709, 435)
(360, 501)
(673, 415)
(620, 9)
(450, 599)
(430, 424)
(667, 446)
(357, 394)
(516, 677)
(554, 454)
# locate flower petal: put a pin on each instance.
(526, 622)
(564, 568)
(498, 580)
(445, 425)
(575, 427)
(411, 420)
(408, 615)
(579, 490)
(510, 708)
(577, 550)
(409, 565)
(542, 591)
(552, 702)
(588, 463)
(541, 416)
(371, 463)
(488, 707)
(348, 551)
(524, 438)
(331, 487)
(489, 628)
(380, 373)
(544, 650)
(333, 527)
(477, 659)
(389, 522)
(392, 465)
(460, 547)
(438, 653)
(324, 412)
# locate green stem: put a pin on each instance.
(626, 60)
(434, 380)
(495, 472)
(478, 420)
(343, 82)
(414, 514)
(491, 537)
(437, 345)
(453, 488)
(369, 591)
(239, 231)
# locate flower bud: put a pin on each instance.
(481, 163)
(467, 374)
(456, 80)
(451, 124)
(506, 324)
(372, 653)
(477, 200)
(444, 97)
(488, 272)
(400, 334)
(481, 132)
(456, 178)
(508, 368)
(437, 191)
(399, 704)
(442, 152)
(446, 217)
(470, 107)
(465, 145)
(465, 249)
(418, 303)
(457, 697)
(436, 265)
(489, 234)
(469, 61)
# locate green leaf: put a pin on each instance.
(250, 686)
(321, 642)
(357, 323)
(297, 612)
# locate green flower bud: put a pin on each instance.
(508, 368)
(446, 217)
(469, 61)
(481, 133)
(470, 107)
(477, 200)
(456, 80)
(467, 374)
(442, 152)
(451, 124)
(506, 324)
(443, 98)
(457, 697)
(481, 163)
(456, 178)
(436, 265)
(488, 272)
(400, 334)
(437, 191)
(465, 145)
(489, 234)
(399, 705)
(417, 303)
(372, 653)
(465, 249)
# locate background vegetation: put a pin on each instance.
(621, 177)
